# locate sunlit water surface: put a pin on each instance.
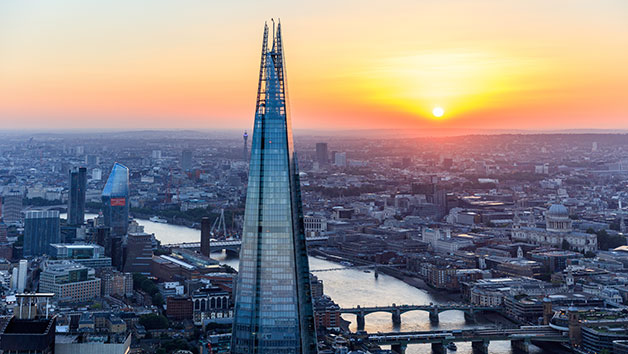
(349, 288)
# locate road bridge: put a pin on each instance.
(480, 338)
(432, 309)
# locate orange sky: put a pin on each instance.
(153, 64)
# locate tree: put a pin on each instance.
(589, 254)
(158, 300)
(149, 287)
(154, 321)
(138, 278)
(606, 241)
(566, 246)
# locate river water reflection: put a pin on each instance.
(349, 288)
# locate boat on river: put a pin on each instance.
(157, 219)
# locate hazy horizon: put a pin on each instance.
(533, 65)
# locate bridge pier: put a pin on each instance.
(360, 319)
(396, 317)
(520, 346)
(470, 316)
(434, 315)
(439, 348)
(480, 347)
(398, 348)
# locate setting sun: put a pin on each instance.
(438, 112)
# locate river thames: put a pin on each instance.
(349, 288)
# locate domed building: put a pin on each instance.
(557, 219)
(558, 228)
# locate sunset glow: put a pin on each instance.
(156, 64)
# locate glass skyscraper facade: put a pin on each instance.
(76, 199)
(273, 309)
(115, 199)
(41, 229)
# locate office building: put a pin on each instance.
(139, 253)
(76, 197)
(186, 159)
(116, 251)
(69, 281)
(22, 275)
(112, 244)
(89, 255)
(6, 247)
(115, 199)
(76, 251)
(211, 304)
(322, 156)
(315, 225)
(14, 276)
(115, 283)
(205, 236)
(96, 174)
(41, 229)
(179, 308)
(340, 159)
(273, 307)
(92, 160)
(12, 208)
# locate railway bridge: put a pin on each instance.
(521, 338)
(397, 310)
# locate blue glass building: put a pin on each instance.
(76, 198)
(115, 199)
(273, 304)
(41, 229)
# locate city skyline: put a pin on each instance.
(456, 179)
(549, 66)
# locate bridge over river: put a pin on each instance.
(233, 246)
(480, 338)
(434, 310)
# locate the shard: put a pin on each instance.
(273, 309)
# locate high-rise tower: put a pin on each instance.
(186, 159)
(246, 147)
(115, 199)
(76, 199)
(322, 156)
(41, 228)
(273, 310)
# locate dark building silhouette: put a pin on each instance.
(35, 336)
(76, 198)
(41, 228)
(139, 253)
(205, 236)
(179, 308)
(28, 331)
(186, 159)
(322, 156)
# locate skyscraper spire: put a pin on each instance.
(273, 311)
